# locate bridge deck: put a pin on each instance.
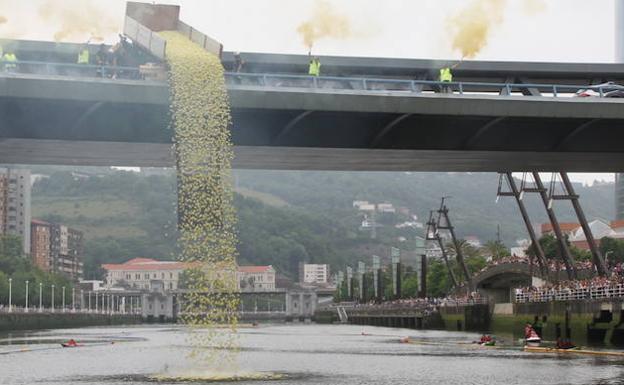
(73, 120)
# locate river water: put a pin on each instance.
(304, 354)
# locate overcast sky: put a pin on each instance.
(556, 30)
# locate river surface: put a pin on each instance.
(303, 354)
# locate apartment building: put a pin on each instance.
(314, 273)
(40, 244)
(15, 206)
(66, 251)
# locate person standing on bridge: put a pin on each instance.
(84, 55)
(101, 60)
(315, 65)
(239, 63)
(446, 76)
(9, 61)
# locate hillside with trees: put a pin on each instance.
(284, 217)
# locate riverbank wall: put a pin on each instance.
(38, 321)
(585, 322)
(598, 322)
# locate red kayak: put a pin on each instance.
(71, 346)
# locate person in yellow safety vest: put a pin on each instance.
(446, 76)
(83, 56)
(315, 67)
(9, 60)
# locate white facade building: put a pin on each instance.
(313, 273)
(143, 273)
(386, 208)
(256, 278)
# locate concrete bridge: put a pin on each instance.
(498, 282)
(366, 114)
(278, 305)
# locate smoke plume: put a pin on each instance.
(78, 20)
(473, 25)
(3, 19)
(326, 22)
(533, 7)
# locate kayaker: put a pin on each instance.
(72, 343)
(530, 336)
(487, 340)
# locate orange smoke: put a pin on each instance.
(324, 23)
(473, 25)
(78, 20)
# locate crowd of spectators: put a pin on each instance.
(594, 288)
(426, 305)
(552, 265)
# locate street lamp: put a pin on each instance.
(63, 299)
(89, 295)
(26, 308)
(40, 300)
(10, 293)
(52, 310)
(73, 299)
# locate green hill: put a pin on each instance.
(285, 217)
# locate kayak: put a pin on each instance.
(71, 346)
(533, 349)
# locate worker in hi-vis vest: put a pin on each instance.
(315, 66)
(83, 55)
(9, 61)
(446, 76)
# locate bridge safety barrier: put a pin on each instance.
(568, 294)
(410, 86)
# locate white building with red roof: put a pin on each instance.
(140, 273)
(147, 273)
(256, 278)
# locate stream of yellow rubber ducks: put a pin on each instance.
(200, 116)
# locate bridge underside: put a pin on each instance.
(500, 287)
(127, 124)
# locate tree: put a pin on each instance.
(409, 284)
(437, 279)
(495, 249)
(612, 250)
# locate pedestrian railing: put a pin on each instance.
(409, 86)
(361, 84)
(70, 69)
(570, 294)
(36, 310)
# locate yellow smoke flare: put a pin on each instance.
(533, 7)
(78, 20)
(473, 25)
(324, 23)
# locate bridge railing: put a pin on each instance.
(69, 69)
(410, 86)
(589, 293)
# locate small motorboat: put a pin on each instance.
(405, 340)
